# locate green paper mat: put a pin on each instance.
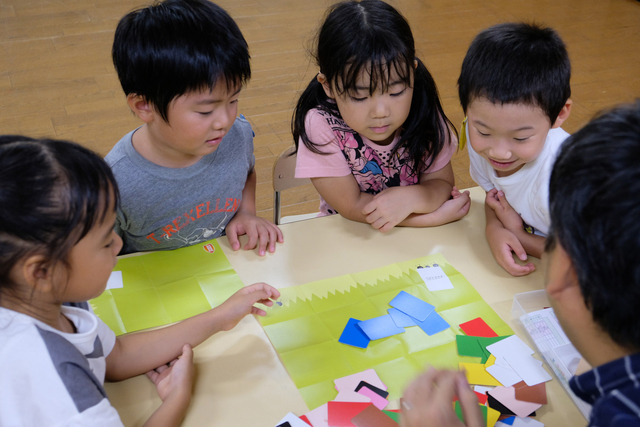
(166, 287)
(306, 328)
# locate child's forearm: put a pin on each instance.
(138, 353)
(532, 243)
(428, 196)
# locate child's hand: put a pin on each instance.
(427, 401)
(453, 209)
(258, 230)
(502, 243)
(176, 378)
(241, 303)
(387, 209)
(508, 216)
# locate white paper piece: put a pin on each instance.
(115, 280)
(293, 421)
(509, 346)
(526, 422)
(506, 376)
(482, 389)
(434, 278)
(529, 369)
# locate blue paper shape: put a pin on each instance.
(380, 327)
(508, 421)
(412, 306)
(353, 335)
(400, 319)
(433, 324)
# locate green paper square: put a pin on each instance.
(141, 310)
(317, 363)
(218, 287)
(460, 415)
(395, 416)
(183, 299)
(318, 394)
(106, 309)
(298, 333)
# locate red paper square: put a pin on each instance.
(477, 328)
(341, 413)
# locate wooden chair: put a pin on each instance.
(284, 179)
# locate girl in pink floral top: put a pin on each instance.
(369, 129)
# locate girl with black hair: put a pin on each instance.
(57, 249)
(369, 128)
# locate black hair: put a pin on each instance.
(371, 36)
(51, 194)
(594, 195)
(177, 46)
(517, 63)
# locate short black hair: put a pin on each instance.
(514, 63)
(594, 195)
(177, 46)
(52, 193)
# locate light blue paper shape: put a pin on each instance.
(400, 319)
(380, 327)
(433, 324)
(412, 306)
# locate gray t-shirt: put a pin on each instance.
(165, 208)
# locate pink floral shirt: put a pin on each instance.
(374, 166)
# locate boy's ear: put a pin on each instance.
(562, 280)
(322, 79)
(141, 107)
(564, 114)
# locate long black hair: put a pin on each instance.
(51, 194)
(371, 36)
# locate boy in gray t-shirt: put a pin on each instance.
(187, 174)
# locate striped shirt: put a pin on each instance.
(613, 390)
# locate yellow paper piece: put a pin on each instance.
(492, 416)
(490, 361)
(477, 375)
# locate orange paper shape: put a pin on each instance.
(533, 394)
(373, 417)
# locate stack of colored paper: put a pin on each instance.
(406, 311)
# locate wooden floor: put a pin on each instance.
(57, 79)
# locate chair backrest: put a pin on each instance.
(284, 178)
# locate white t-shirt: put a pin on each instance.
(527, 190)
(52, 378)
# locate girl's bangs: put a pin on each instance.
(379, 70)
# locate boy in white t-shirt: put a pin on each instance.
(514, 88)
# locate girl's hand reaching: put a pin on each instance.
(242, 303)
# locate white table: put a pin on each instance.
(240, 380)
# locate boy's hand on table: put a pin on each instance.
(508, 216)
(242, 303)
(428, 401)
(502, 243)
(261, 233)
(175, 379)
(387, 209)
